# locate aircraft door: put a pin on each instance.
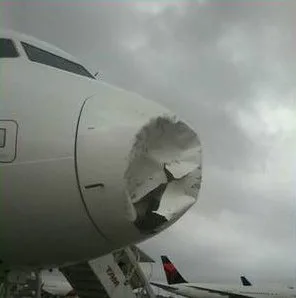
(8, 140)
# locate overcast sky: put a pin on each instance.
(229, 69)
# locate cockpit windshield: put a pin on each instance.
(41, 56)
(7, 48)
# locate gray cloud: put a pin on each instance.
(229, 69)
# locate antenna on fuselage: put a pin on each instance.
(99, 75)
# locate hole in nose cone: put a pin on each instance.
(164, 173)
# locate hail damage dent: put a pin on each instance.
(139, 167)
(164, 173)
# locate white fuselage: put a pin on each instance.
(78, 158)
(191, 290)
(58, 289)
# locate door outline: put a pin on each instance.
(8, 153)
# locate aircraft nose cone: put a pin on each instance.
(164, 172)
(139, 165)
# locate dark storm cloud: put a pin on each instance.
(229, 69)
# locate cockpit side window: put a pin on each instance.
(41, 56)
(7, 48)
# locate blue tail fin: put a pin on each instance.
(245, 281)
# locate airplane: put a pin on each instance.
(177, 284)
(86, 167)
(245, 281)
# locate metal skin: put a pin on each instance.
(178, 285)
(201, 290)
(83, 170)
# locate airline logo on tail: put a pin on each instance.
(171, 272)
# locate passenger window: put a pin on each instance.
(41, 56)
(7, 48)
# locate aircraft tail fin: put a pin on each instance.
(172, 274)
(245, 281)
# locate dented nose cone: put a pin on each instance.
(138, 165)
(164, 172)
